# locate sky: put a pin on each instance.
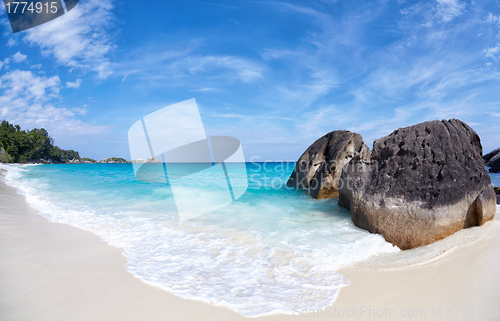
(277, 75)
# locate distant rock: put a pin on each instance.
(497, 192)
(146, 161)
(423, 183)
(74, 161)
(113, 160)
(492, 160)
(320, 166)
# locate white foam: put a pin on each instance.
(254, 272)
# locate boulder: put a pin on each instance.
(492, 160)
(320, 166)
(497, 192)
(422, 183)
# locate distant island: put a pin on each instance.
(36, 146)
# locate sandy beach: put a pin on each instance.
(51, 271)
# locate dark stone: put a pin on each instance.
(497, 192)
(491, 154)
(423, 183)
(320, 166)
(492, 160)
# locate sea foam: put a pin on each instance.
(272, 251)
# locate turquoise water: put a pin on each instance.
(273, 250)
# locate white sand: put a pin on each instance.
(52, 271)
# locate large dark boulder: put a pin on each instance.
(423, 183)
(320, 166)
(492, 160)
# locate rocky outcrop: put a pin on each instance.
(422, 183)
(320, 166)
(492, 160)
(497, 192)
(150, 160)
(113, 160)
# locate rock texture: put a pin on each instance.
(492, 160)
(497, 192)
(320, 166)
(422, 183)
(150, 160)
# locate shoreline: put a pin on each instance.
(51, 271)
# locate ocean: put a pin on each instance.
(273, 250)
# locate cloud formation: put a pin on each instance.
(18, 57)
(80, 39)
(75, 84)
(30, 101)
(447, 10)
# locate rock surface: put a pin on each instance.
(492, 160)
(150, 160)
(423, 183)
(320, 166)
(497, 192)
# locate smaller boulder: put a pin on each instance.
(497, 192)
(492, 160)
(320, 166)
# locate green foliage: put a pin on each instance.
(36, 145)
(89, 160)
(4, 157)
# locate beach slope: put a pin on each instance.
(51, 271)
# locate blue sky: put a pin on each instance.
(275, 74)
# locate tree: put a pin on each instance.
(31, 146)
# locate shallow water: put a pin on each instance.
(268, 251)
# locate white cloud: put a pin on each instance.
(311, 126)
(447, 10)
(5, 63)
(28, 100)
(78, 39)
(491, 18)
(24, 84)
(243, 69)
(74, 84)
(185, 64)
(79, 111)
(11, 42)
(18, 57)
(206, 89)
(493, 53)
(307, 89)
